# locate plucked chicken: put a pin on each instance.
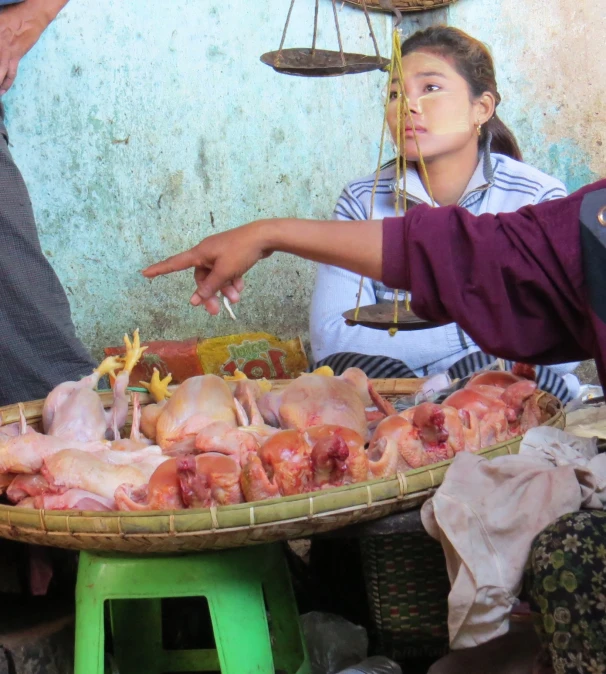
(74, 411)
(197, 402)
(317, 400)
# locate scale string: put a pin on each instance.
(335, 14)
(292, 4)
(313, 45)
(403, 113)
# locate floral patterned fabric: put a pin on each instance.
(566, 577)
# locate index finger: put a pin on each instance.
(178, 262)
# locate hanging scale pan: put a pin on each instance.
(381, 317)
(321, 62)
(313, 62)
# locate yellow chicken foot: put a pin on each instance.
(134, 351)
(324, 371)
(109, 366)
(240, 376)
(158, 388)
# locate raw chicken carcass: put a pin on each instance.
(74, 469)
(499, 378)
(490, 411)
(516, 396)
(27, 485)
(384, 459)
(146, 459)
(425, 434)
(286, 457)
(220, 437)
(317, 400)
(136, 441)
(338, 456)
(294, 462)
(209, 480)
(26, 453)
(163, 492)
(247, 392)
(72, 499)
(399, 433)
(255, 481)
(6, 481)
(198, 402)
(74, 411)
(17, 428)
(475, 400)
(523, 411)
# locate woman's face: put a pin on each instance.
(445, 119)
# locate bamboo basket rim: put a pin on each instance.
(241, 524)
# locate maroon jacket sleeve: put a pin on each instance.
(513, 281)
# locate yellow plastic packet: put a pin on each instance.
(258, 355)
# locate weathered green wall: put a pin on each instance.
(550, 67)
(142, 126)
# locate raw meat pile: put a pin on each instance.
(212, 442)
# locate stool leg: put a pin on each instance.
(241, 632)
(290, 654)
(137, 635)
(90, 635)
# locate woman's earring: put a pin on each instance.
(479, 129)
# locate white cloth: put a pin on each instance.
(487, 513)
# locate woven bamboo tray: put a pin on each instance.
(403, 5)
(239, 525)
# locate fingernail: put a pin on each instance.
(195, 300)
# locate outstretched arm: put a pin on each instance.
(222, 259)
(515, 282)
(20, 27)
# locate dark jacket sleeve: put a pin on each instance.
(513, 281)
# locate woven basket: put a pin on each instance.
(407, 587)
(239, 525)
(403, 5)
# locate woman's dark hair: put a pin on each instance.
(472, 60)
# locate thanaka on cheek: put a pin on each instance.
(442, 114)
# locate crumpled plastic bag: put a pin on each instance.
(333, 643)
(560, 448)
(587, 422)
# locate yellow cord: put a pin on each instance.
(403, 113)
(376, 181)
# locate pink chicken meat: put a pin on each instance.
(74, 411)
(197, 403)
(317, 400)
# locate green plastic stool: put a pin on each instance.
(234, 582)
